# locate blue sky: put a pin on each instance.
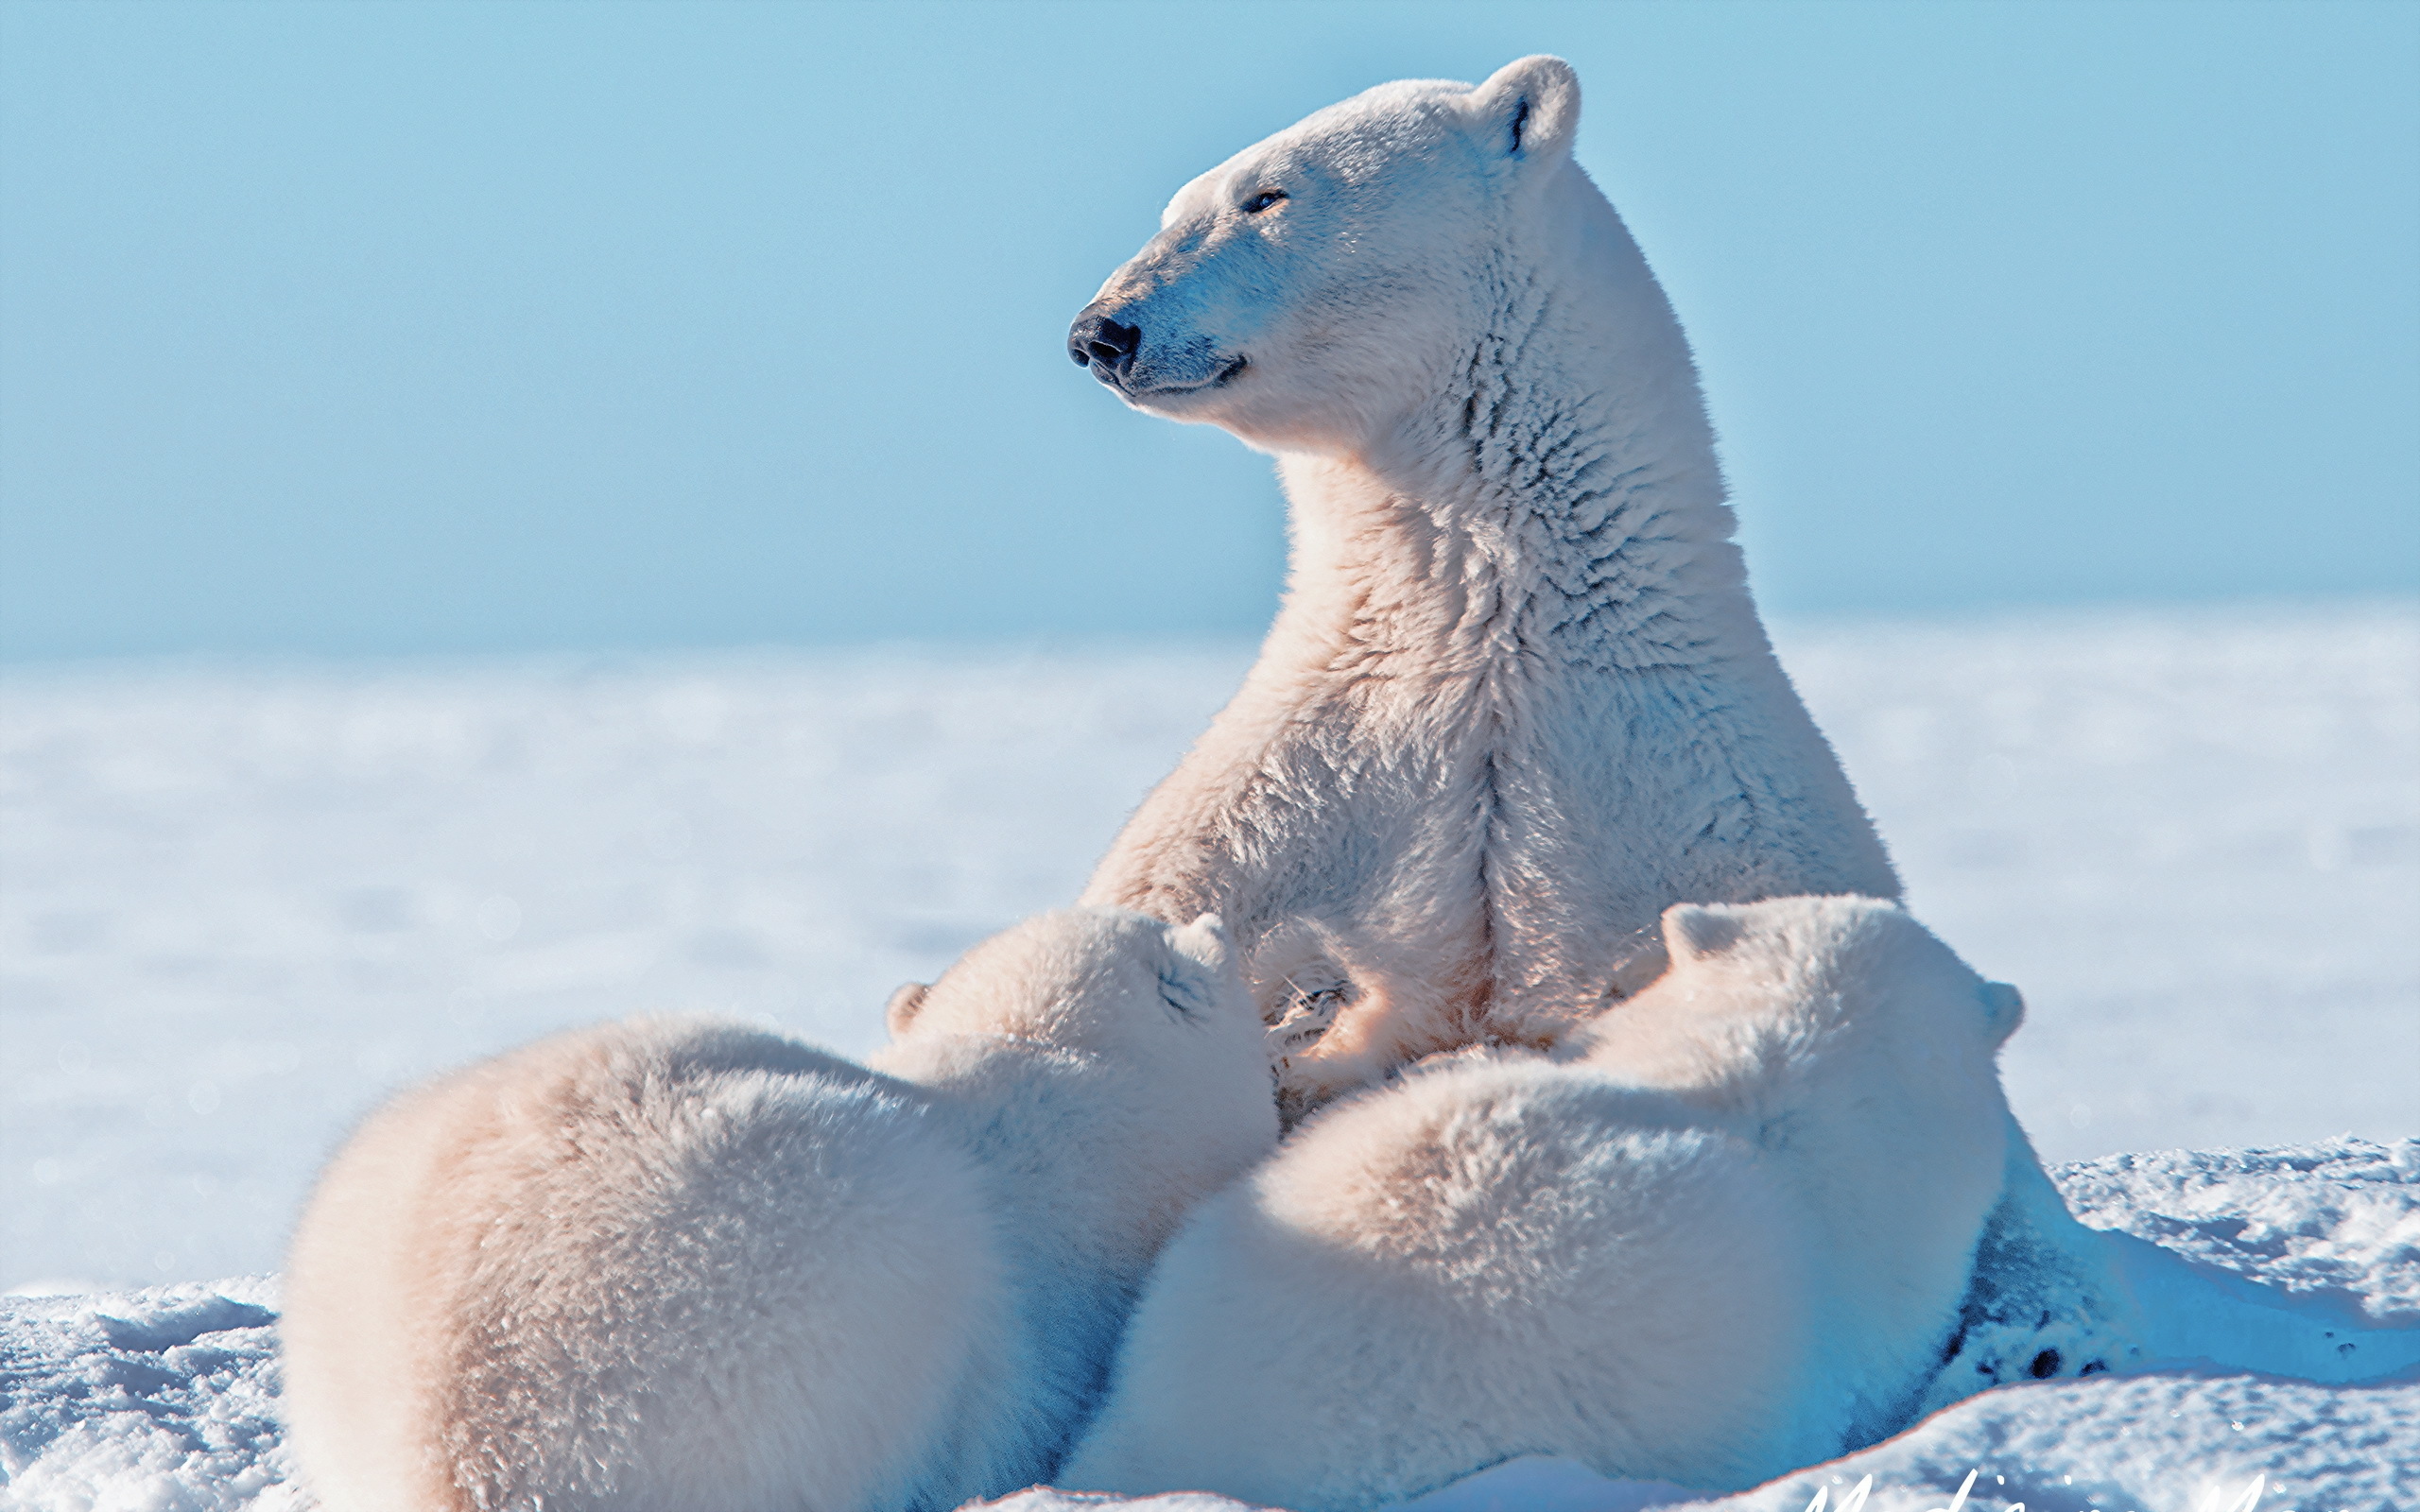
(374, 328)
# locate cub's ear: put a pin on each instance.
(1197, 967)
(1692, 931)
(2004, 1005)
(1204, 941)
(900, 1011)
(1529, 109)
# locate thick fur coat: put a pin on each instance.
(664, 1265)
(1729, 1240)
(1518, 701)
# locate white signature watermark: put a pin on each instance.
(2248, 1500)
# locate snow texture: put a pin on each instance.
(239, 904)
(159, 1400)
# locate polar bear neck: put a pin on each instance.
(1557, 497)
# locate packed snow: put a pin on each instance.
(238, 903)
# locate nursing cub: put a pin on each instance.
(1725, 1239)
(678, 1264)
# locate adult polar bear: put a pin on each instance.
(1518, 700)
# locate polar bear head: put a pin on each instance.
(1842, 1018)
(1165, 1004)
(1120, 1053)
(1313, 289)
(1084, 979)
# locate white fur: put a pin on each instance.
(1518, 700)
(1727, 1241)
(660, 1264)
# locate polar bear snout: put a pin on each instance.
(1102, 344)
(1143, 359)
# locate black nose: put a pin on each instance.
(1096, 338)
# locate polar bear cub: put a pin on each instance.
(1725, 1239)
(661, 1264)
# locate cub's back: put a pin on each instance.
(652, 1247)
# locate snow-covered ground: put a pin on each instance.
(237, 903)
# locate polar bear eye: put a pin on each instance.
(1263, 200)
(1186, 998)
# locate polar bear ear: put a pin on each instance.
(1692, 931)
(1204, 941)
(1529, 109)
(2005, 1007)
(1197, 967)
(900, 1011)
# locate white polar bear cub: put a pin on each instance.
(1729, 1241)
(664, 1264)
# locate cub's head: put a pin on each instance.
(1311, 291)
(1098, 982)
(1830, 1014)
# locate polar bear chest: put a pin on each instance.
(1471, 857)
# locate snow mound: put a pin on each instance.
(2333, 1226)
(158, 1401)
(2258, 1268)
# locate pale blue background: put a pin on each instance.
(437, 328)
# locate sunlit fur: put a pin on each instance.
(664, 1265)
(1726, 1239)
(1518, 700)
